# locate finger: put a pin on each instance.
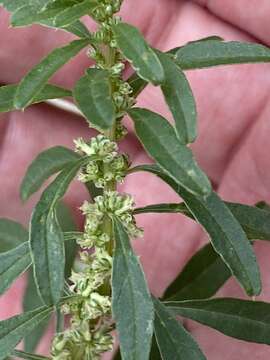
(251, 16)
(246, 180)
(228, 99)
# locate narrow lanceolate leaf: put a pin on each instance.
(12, 234)
(227, 237)
(241, 319)
(33, 13)
(164, 208)
(180, 100)
(25, 355)
(13, 330)
(93, 95)
(75, 12)
(13, 5)
(47, 163)
(36, 79)
(201, 278)
(40, 12)
(254, 221)
(68, 226)
(207, 38)
(47, 240)
(29, 12)
(7, 94)
(160, 141)
(226, 234)
(47, 249)
(173, 51)
(32, 299)
(77, 28)
(135, 49)
(203, 54)
(131, 302)
(155, 353)
(12, 264)
(174, 342)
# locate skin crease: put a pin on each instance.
(232, 147)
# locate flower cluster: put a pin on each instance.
(82, 343)
(89, 334)
(109, 166)
(110, 204)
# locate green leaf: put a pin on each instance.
(7, 94)
(131, 302)
(12, 264)
(47, 163)
(180, 100)
(36, 13)
(93, 95)
(28, 356)
(32, 301)
(201, 278)
(12, 234)
(73, 13)
(25, 355)
(226, 234)
(135, 49)
(254, 221)
(67, 225)
(227, 237)
(31, 297)
(79, 29)
(241, 319)
(47, 240)
(207, 38)
(174, 342)
(30, 9)
(160, 141)
(36, 79)
(14, 329)
(13, 5)
(155, 354)
(203, 54)
(164, 208)
(47, 247)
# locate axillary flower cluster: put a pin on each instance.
(90, 331)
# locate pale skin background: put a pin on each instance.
(233, 144)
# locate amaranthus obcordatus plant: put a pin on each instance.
(92, 280)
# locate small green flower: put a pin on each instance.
(109, 166)
(95, 306)
(101, 146)
(83, 342)
(83, 283)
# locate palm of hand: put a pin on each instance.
(232, 144)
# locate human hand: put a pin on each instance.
(231, 147)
